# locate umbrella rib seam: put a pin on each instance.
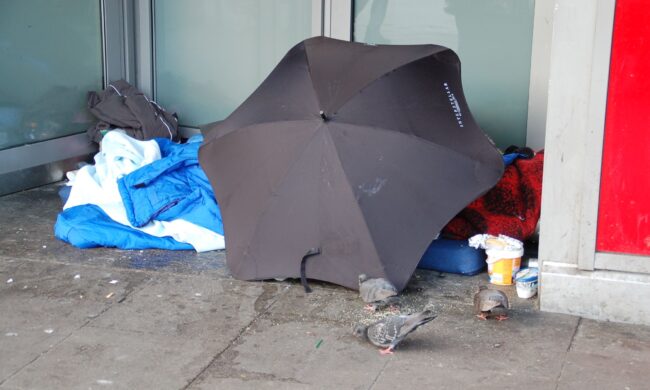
(435, 49)
(273, 190)
(392, 69)
(424, 140)
(311, 79)
(250, 125)
(365, 223)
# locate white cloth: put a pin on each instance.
(96, 184)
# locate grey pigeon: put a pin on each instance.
(390, 331)
(377, 292)
(489, 302)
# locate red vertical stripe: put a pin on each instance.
(624, 210)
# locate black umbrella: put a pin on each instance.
(348, 159)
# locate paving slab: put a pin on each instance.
(214, 310)
(525, 346)
(245, 383)
(295, 354)
(457, 350)
(608, 356)
(94, 358)
(177, 319)
(193, 318)
(514, 349)
(45, 304)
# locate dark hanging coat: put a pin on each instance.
(123, 106)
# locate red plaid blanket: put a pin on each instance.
(511, 207)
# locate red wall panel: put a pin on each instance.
(624, 209)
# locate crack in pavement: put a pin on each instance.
(566, 353)
(235, 339)
(379, 374)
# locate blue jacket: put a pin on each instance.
(173, 187)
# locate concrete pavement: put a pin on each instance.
(112, 319)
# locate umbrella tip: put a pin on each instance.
(323, 116)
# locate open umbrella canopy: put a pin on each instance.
(356, 154)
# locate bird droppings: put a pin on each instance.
(197, 294)
(10, 280)
(77, 276)
(49, 331)
(114, 281)
(44, 246)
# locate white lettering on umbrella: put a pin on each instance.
(455, 107)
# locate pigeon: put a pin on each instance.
(390, 331)
(491, 303)
(377, 292)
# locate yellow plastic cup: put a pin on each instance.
(502, 270)
(504, 260)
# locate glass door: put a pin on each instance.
(209, 56)
(50, 57)
(493, 39)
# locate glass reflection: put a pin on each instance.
(50, 57)
(210, 56)
(492, 37)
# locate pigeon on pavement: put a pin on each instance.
(377, 292)
(489, 302)
(390, 331)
